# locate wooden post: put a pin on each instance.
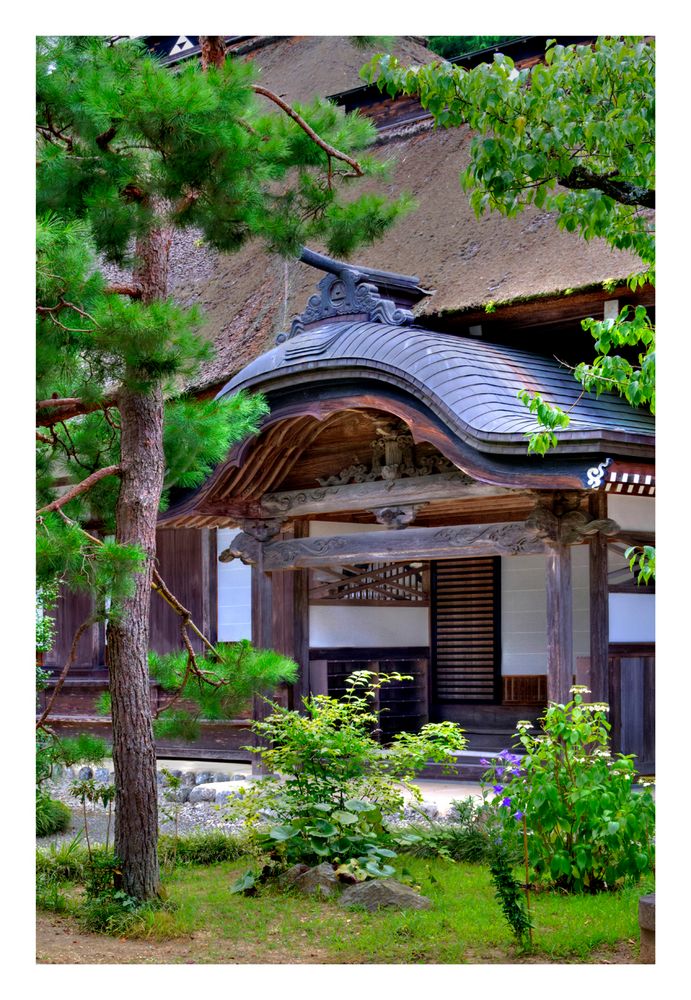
(559, 623)
(301, 633)
(599, 606)
(262, 634)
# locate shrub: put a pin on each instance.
(464, 837)
(65, 862)
(588, 827)
(209, 848)
(52, 816)
(339, 780)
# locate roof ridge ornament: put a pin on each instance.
(348, 293)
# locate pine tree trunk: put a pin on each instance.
(142, 463)
(134, 756)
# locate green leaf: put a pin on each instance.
(283, 832)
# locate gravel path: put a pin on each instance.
(191, 817)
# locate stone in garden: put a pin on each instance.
(220, 776)
(223, 794)
(384, 893)
(287, 878)
(178, 794)
(240, 777)
(101, 775)
(203, 777)
(85, 774)
(646, 922)
(200, 794)
(428, 809)
(320, 880)
(189, 778)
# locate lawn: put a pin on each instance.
(208, 924)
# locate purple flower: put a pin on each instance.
(498, 789)
(516, 771)
(518, 814)
(500, 771)
(506, 801)
(484, 762)
(504, 753)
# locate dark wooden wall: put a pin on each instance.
(72, 609)
(632, 702)
(186, 560)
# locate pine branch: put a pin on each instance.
(330, 150)
(133, 291)
(86, 484)
(66, 408)
(213, 53)
(87, 623)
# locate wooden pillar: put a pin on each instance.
(559, 623)
(262, 634)
(599, 606)
(301, 633)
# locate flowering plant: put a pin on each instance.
(588, 826)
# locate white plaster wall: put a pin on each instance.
(524, 611)
(634, 513)
(332, 626)
(632, 617)
(234, 593)
(358, 627)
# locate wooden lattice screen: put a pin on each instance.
(371, 584)
(465, 630)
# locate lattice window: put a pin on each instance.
(371, 584)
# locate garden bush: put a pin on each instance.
(589, 826)
(339, 781)
(52, 816)
(208, 848)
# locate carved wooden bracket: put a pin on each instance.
(395, 517)
(263, 529)
(243, 547)
(563, 524)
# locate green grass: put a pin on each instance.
(465, 924)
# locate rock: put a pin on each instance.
(178, 794)
(287, 879)
(240, 777)
(160, 777)
(220, 776)
(101, 775)
(85, 773)
(203, 778)
(428, 809)
(320, 880)
(223, 794)
(384, 893)
(189, 778)
(199, 794)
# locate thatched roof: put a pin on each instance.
(250, 297)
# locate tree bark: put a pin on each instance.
(134, 755)
(142, 464)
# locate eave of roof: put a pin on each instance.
(471, 385)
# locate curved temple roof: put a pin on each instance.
(352, 349)
(470, 384)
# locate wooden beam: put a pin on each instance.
(559, 623)
(599, 605)
(364, 496)
(452, 542)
